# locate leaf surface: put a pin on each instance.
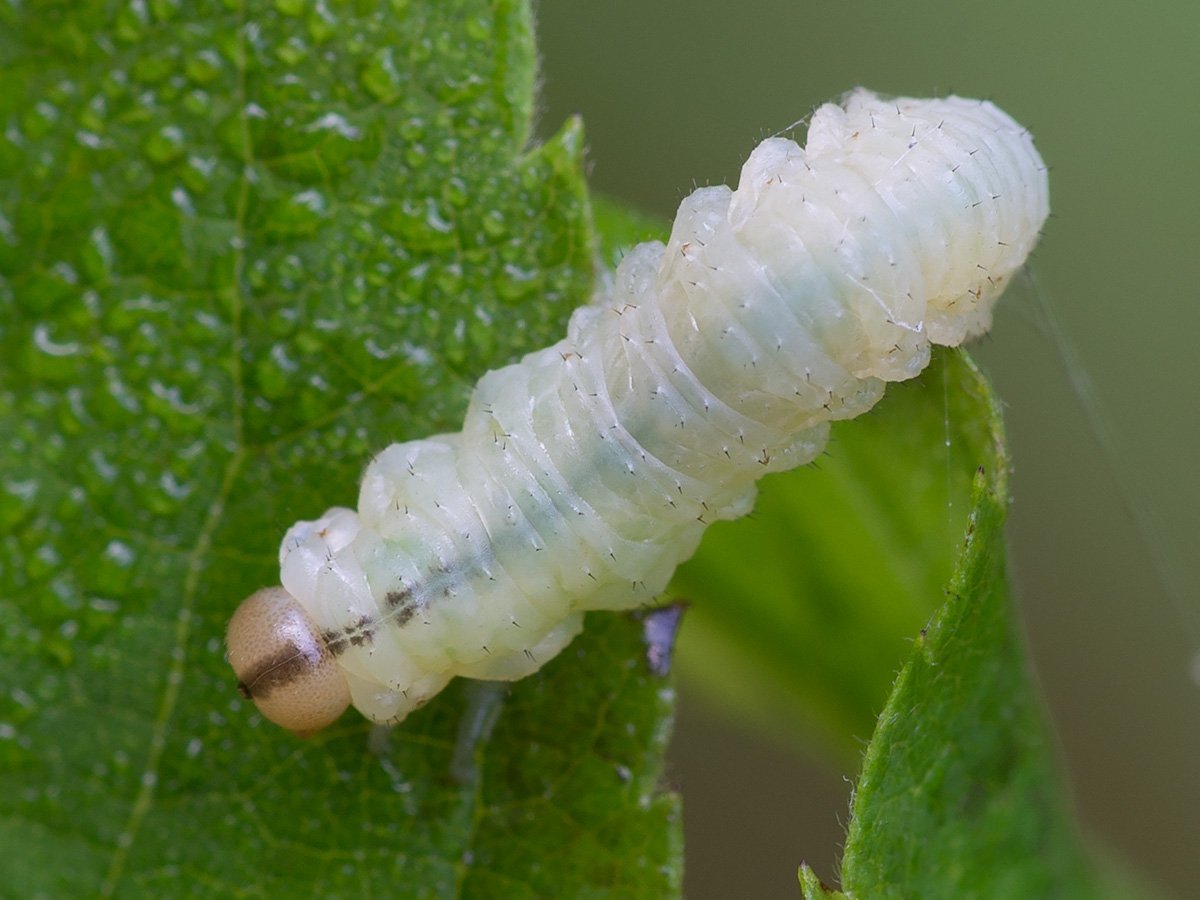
(959, 795)
(243, 247)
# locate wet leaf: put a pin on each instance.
(243, 247)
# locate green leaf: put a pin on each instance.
(242, 247)
(958, 794)
(805, 613)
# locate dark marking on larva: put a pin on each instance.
(357, 635)
(335, 641)
(401, 606)
(278, 671)
(396, 599)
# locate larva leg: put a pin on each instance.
(659, 630)
(484, 702)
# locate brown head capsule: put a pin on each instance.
(283, 664)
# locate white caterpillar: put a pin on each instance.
(587, 472)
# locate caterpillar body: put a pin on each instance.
(585, 473)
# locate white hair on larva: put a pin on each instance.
(585, 473)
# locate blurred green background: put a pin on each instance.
(675, 94)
